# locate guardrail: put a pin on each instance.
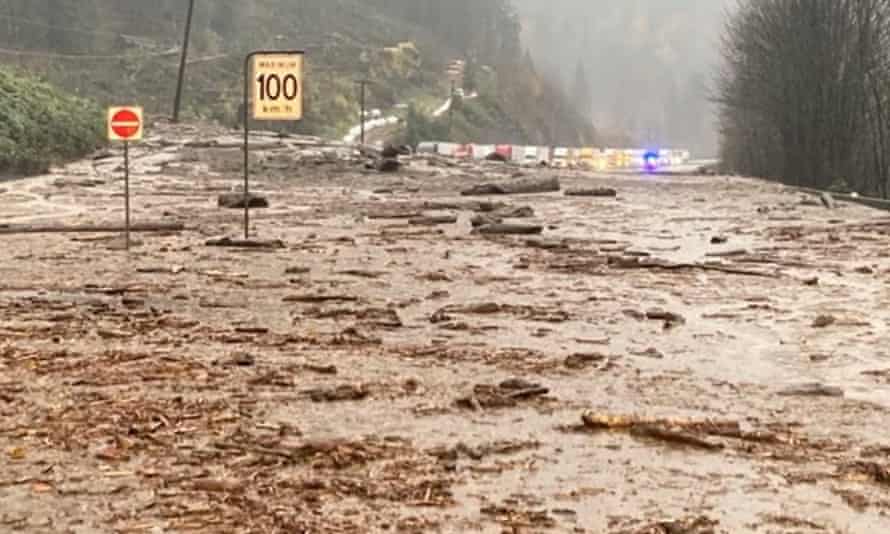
(871, 202)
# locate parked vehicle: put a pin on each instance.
(530, 155)
(463, 151)
(586, 158)
(446, 149)
(506, 151)
(428, 147)
(517, 153)
(543, 155)
(481, 152)
(560, 158)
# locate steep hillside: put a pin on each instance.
(130, 53)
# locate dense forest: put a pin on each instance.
(128, 50)
(804, 93)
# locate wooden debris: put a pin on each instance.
(315, 299)
(516, 187)
(509, 229)
(345, 392)
(484, 219)
(433, 220)
(245, 243)
(823, 321)
(236, 201)
(813, 389)
(597, 192)
(12, 229)
(677, 437)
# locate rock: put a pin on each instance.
(582, 360)
(484, 220)
(670, 319)
(651, 352)
(719, 240)
(597, 192)
(388, 165)
(509, 229)
(812, 389)
(824, 320)
(236, 201)
(515, 187)
(390, 152)
(828, 201)
(813, 281)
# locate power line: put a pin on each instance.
(30, 22)
(56, 55)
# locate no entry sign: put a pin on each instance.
(125, 123)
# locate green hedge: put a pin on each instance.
(40, 125)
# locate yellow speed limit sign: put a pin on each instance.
(278, 87)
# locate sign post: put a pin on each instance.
(125, 124)
(273, 79)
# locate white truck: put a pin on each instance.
(560, 159)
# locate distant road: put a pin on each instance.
(375, 124)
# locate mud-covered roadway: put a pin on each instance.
(697, 354)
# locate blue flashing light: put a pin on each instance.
(650, 160)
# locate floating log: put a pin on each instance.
(509, 229)
(236, 201)
(598, 192)
(244, 243)
(515, 187)
(433, 220)
(88, 228)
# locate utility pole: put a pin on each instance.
(182, 62)
(451, 111)
(363, 84)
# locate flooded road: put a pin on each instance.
(697, 354)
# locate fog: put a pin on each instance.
(638, 68)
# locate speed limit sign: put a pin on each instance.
(278, 86)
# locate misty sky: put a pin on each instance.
(650, 63)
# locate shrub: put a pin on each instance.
(41, 126)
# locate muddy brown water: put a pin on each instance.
(102, 353)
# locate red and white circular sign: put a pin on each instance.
(125, 124)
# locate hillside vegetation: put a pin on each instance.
(117, 51)
(40, 125)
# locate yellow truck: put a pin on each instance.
(586, 158)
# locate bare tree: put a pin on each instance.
(804, 90)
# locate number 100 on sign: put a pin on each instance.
(278, 87)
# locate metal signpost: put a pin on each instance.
(273, 79)
(363, 84)
(125, 124)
